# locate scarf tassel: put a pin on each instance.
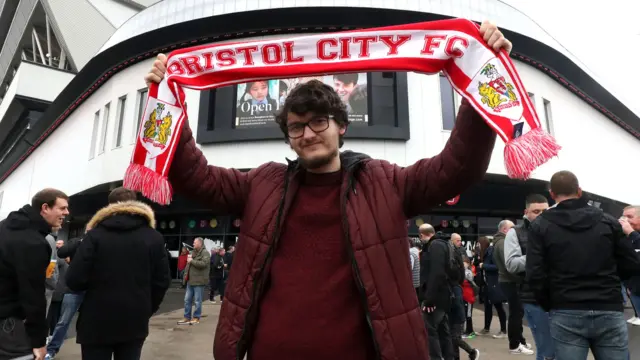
(524, 154)
(152, 185)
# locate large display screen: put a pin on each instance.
(258, 102)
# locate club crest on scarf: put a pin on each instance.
(497, 92)
(157, 127)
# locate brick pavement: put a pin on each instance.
(168, 341)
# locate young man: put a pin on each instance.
(323, 236)
(122, 267)
(515, 253)
(25, 262)
(576, 257)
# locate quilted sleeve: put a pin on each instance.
(462, 163)
(221, 189)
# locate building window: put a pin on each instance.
(105, 125)
(532, 97)
(448, 103)
(122, 104)
(142, 102)
(548, 118)
(94, 135)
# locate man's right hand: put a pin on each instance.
(40, 353)
(159, 68)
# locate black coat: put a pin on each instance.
(576, 257)
(24, 257)
(122, 265)
(490, 269)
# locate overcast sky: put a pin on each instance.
(604, 35)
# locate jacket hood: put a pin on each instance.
(25, 218)
(574, 214)
(124, 215)
(349, 160)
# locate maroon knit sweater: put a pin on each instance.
(312, 308)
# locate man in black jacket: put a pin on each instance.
(436, 288)
(122, 267)
(25, 264)
(576, 257)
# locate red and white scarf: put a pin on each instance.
(487, 79)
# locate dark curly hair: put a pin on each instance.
(316, 97)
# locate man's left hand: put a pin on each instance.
(494, 37)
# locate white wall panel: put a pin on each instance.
(115, 12)
(82, 28)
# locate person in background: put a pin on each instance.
(630, 222)
(510, 284)
(196, 277)
(442, 273)
(414, 260)
(182, 262)
(515, 253)
(52, 279)
(493, 293)
(70, 301)
(55, 308)
(457, 319)
(216, 274)
(122, 266)
(228, 259)
(576, 258)
(25, 260)
(469, 291)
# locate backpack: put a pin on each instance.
(455, 268)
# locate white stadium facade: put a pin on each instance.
(71, 89)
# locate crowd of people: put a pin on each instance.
(88, 274)
(322, 269)
(561, 270)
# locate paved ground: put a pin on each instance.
(170, 341)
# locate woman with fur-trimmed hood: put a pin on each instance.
(123, 267)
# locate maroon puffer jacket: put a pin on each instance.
(377, 198)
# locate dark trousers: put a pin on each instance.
(14, 342)
(457, 342)
(54, 315)
(516, 313)
(123, 351)
(488, 315)
(216, 283)
(437, 324)
(468, 313)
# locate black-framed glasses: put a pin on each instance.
(317, 125)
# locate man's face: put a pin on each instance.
(534, 210)
(344, 90)
(315, 149)
(55, 214)
(232, 249)
(457, 241)
(221, 252)
(197, 244)
(633, 217)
